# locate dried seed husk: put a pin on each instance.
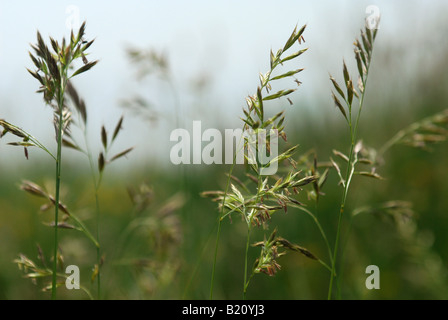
(366, 44)
(21, 144)
(104, 137)
(338, 170)
(361, 52)
(81, 31)
(54, 45)
(101, 162)
(95, 273)
(360, 84)
(288, 74)
(121, 154)
(371, 175)
(290, 40)
(339, 105)
(359, 64)
(36, 62)
(118, 127)
(61, 225)
(279, 94)
(345, 72)
(304, 181)
(294, 55)
(294, 247)
(87, 45)
(84, 68)
(62, 206)
(369, 36)
(299, 34)
(10, 128)
(33, 189)
(272, 59)
(260, 104)
(340, 155)
(68, 144)
(337, 87)
(323, 178)
(350, 92)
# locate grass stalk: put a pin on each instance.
(61, 93)
(349, 173)
(257, 209)
(96, 185)
(56, 209)
(322, 232)
(98, 248)
(218, 232)
(246, 282)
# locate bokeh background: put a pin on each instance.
(211, 55)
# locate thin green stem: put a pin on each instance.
(265, 79)
(198, 263)
(397, 138)
(84, 229)
(344, 247)
(98, 249)
(391, 142)
(326, 266)
(218, 233)
(28, 136)
(56, 210)
(96, 184)
(61, 93)
(86, 291)
(321, 230)
(249, 219)
(40, 145)
(246, 282)
(348, 179)
(221, 216)
(215, 256)
(333, 264)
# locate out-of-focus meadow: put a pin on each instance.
(157, 232)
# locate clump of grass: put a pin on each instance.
(262, 196)
(420, 134)
(97, 171)
(154, 264)
(34, 271)
(257, 208)
(54, 72)
(150, 62)
(363, 54)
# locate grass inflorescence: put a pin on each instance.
(252, 193)
(257, 197)
(55, 71)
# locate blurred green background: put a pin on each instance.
(165, 250)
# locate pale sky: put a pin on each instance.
(228, 41)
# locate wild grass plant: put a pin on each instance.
(258, 198)
(271, 193)
(55, 71)
(149, 252)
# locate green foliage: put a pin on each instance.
(147, 250)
